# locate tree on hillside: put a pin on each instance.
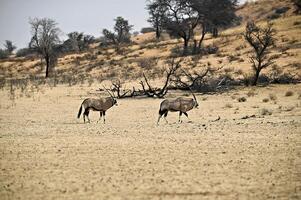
(3, 54)
(122, 29)
(121, 32)
(179, 18)
(77, 41)
(213, 14)
(157, 14)
(9, 46)
(45, 36)
(261, 40)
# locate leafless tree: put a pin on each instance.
(117, 86)
(193, 79)
(45, 36)
(151, 91)
(261, 40)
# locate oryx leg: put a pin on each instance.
(104, 116)
(185, 113)
(159, 119)
(165, 115)
(100, 116)
(86, 113)
(180, 114)
(161, 113)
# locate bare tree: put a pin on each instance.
(45, 36)
(117, 86)
(261, 40)
(150, 91)
(192, 79)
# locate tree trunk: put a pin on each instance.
(158, 33)
(256, 77)
(215, 32)
(47, 59)
(195, 47)
(185, 47)
(202, 37)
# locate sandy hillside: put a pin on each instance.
(252, 152)
(104, 63)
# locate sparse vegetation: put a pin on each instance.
(260, 39)
(235, 127)
(265, 111)
(289, 93)
(251, 93)
(228, 105)
(273, 97)
(242, 99)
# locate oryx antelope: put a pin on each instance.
(101, 105)
(180, 104)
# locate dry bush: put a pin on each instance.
(265, 111)
(289, 108)
(241, 60)
(251, 93)
(147, 63)
(232, 58)
(296, 65)
(90, 81)
(242, 99)
(238, 72)
(289, 93)
(273, 97)
(240, 47)
(228, 70)
(228, 105)
(205, 98)
(265, 100)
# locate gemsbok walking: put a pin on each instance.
(101, 105)
(180, 104)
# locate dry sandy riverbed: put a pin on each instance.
(46, 153)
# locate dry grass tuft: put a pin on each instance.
(251, 93)
(289, 93)
(289, 108)
(273, 97)
(242, 99)
(265, 111)
(228, 105)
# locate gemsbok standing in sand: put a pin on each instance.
(180, 104)
(101, 105)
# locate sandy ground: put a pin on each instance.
(46, 153)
